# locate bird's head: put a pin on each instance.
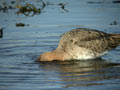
(51, 56)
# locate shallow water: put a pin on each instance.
(20, 47)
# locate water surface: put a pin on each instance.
(20, 47)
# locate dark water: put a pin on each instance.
(20, 47)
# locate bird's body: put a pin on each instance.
(82, 44)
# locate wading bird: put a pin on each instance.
(82, 44)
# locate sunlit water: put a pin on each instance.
(20, 47)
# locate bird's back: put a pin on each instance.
(94, 40)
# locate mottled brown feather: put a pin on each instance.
(97, 41)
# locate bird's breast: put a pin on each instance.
(84, 54)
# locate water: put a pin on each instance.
(20, 47)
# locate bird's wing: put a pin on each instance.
(91, 39)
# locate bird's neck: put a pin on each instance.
(58, 55)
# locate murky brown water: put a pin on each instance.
(20, 47)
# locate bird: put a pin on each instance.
(82, 44)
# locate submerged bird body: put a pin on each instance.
(82, 44)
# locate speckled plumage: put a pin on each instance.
(91, 39)
(83, 44)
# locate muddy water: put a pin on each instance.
(20, 47)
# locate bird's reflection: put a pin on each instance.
(75, 66)
(81, 73)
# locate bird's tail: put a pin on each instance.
(116, 37)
